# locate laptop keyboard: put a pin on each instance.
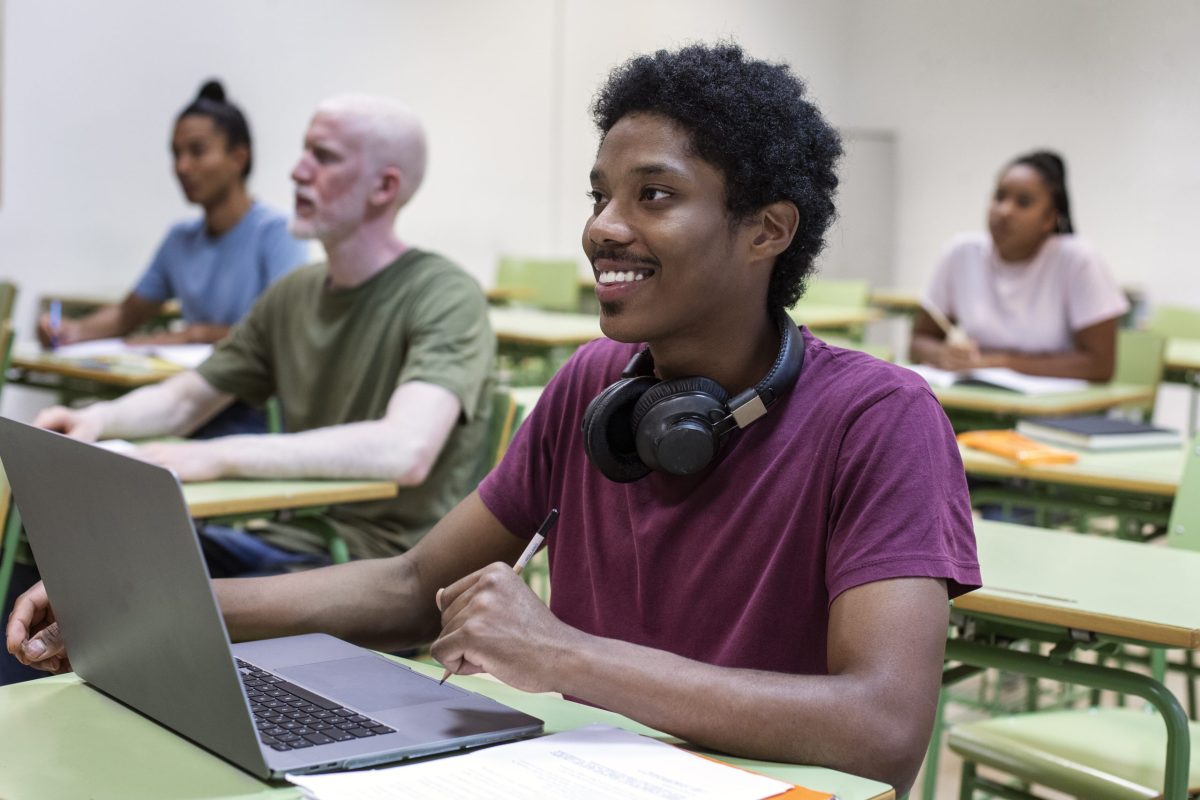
(289, 717)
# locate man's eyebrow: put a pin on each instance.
(644, 170)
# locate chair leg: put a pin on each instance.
(966, 786)
(12, 540)
(1189, 661)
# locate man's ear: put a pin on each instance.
(774, 227)
(387, 187)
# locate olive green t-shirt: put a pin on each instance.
(334, 356)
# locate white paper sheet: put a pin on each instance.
(186, 355)
(593, 763)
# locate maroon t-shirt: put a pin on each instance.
(852, 477)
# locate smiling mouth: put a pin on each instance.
(623, 276)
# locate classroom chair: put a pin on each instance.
(549, 284)
(854, 293)
(1096, 753)
(1175, 322)
(842, 293)
(6, 345)
(1140, 363)
(8, 300)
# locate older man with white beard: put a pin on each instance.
(379, 356)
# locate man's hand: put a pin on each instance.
(492, 622)
(191, 461)
(33, 636)
(76, 424)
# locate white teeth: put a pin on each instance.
(622, 277)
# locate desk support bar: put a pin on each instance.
(1103, 678)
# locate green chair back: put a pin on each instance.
(8, 299)
(838, 293)
(1140, 361)
(1176, 322)
(551, 284)
(6, 345)
(1183, 531)
(499, 431)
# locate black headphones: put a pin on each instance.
(640, 423)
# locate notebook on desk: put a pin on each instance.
(121, 561)
(998, 377)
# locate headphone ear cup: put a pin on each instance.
(674, 424)
(608, 437)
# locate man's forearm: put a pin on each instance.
(376, 603)
(839, 721)
(375, 450)
(175, 407)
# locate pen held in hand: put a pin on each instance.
(527, 556)
(55, 322)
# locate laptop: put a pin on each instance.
(123, 567)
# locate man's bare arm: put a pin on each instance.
(382, 603)
(401, 447)
(175, 407)
(870, 716)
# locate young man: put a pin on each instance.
(785, 596)
(380, 358)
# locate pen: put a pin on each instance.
(954, 334)
(527, 556)
(55, 322)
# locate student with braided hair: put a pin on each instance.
(217, 265)
(1030, 295)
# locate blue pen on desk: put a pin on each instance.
(522, 562)
(55, 322)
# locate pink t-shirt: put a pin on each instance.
(853, 477)
(1033, 306)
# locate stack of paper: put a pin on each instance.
(592, 763)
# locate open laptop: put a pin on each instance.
(123, 567)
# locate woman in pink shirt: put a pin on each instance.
(1030, 295)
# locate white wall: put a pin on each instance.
(90, 90)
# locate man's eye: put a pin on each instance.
(652, 193)
(596, 197)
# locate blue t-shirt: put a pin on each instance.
(218, 279)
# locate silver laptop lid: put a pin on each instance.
(113, 541)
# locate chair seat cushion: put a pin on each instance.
(1114, 753)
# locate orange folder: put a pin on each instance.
(1016, 447)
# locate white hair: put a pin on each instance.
(392, 135)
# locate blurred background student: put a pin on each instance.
(216, 265)
(1029, 295)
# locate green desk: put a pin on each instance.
(238, 497)
(896, 301)
(527, 326)
(971, 406)
(533, 344)
(87, 377)
(1138, 485)
(819, 316)
(60, 738)
(1081, 592)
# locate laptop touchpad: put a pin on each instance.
(369, 683)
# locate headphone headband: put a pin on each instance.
(641, 423)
